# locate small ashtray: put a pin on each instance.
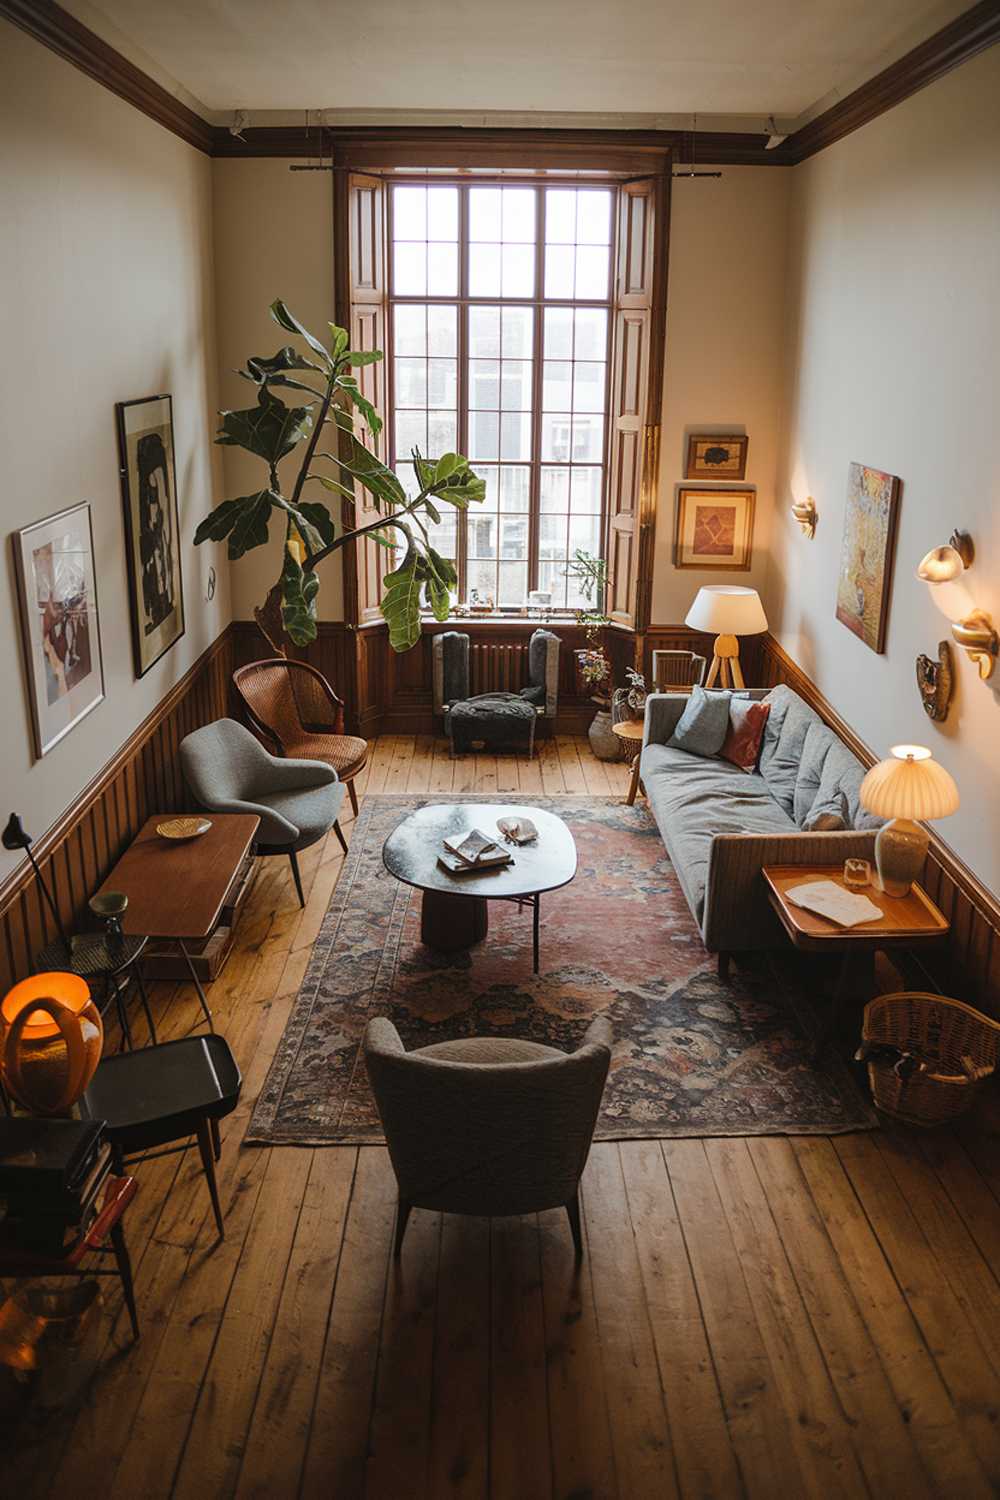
(517, 830)
(183, 828)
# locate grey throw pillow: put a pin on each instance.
(703, 725)
(828, 816)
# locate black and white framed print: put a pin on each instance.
(54, 563)
(152, 531)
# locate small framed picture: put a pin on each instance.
(60, 631)
(712, 457)
(152, 531)
(714, 529)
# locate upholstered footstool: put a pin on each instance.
(500, 721)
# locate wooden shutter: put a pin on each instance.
(636, 395)
(361, 308)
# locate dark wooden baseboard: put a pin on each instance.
(971, 968)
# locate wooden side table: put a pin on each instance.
(630, 732)
(906, 922)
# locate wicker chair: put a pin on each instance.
(677, 669)
(296, 710)
(488, 1125)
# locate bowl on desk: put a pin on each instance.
(183, 828)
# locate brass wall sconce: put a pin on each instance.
(936, 681)
(942, 569)
(806, 514)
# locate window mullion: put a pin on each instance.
(462, 318)
(535, 480)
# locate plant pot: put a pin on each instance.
(605, 744)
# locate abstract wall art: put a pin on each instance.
(866, 554)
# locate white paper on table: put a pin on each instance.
(831, 900)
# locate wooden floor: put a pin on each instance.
(761, 1317)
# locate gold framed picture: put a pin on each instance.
(714, 529)
(866, 553)
(712, 457)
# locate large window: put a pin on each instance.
(499, 328)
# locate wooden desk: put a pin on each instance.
(906, 921)
(630, 732)
(176, 889)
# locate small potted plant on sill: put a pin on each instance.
(593, 662)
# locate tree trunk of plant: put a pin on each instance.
(269, 622)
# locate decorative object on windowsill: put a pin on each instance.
(629, 702)
(714, 529)
(480, 604)
(942, 569)
(152, 531)
(936, 682)
(927, 1055)
(728, 611)
(419, 576)
(712, 457)
(593, 663)
(806, 514)
(908, 786)
(51, 1038)
(866, 554)
(539, 602)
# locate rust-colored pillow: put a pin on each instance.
(746, 730)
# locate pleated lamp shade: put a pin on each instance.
(909, 785)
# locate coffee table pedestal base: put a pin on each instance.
(450, 922)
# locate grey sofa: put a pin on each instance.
(721, 824)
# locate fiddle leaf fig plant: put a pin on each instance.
(272, 429)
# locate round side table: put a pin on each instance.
(630, 732)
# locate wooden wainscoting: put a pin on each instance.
(971, 963)
(80, 848)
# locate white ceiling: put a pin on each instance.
(734, 60)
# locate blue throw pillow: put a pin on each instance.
(703, 725)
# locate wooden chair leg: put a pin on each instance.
(294, 861)
(353, 796)
(124, 1265)
(402, 1219)
(573, 1214)
(340, 833)
(213, 1126)
(208, 1166)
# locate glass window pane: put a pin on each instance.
(575, 597)
(442, 329)
(410, 270)
(585, 534)
(513, 536)
(518, 271)
(441, 430)
(557, 385)
(559, 264)
(410, 330)
(593, 218)
(484, 384)
(484, 270)
(442, 213)
(519, 216)
(592, 262)
(444, 535)
(585, 492)
(482, 577)
(484, 332)
(482, 529)
(588, 440)
(551, 536)
(588, 387)
(515, 435)
(409, 213)
(591, 325)
(560, 216)
(515, 486)
(518, 332)
(558, 333)
(552, 576)
(554, 490)
(408, 479)
(484, 214)
(490, 474)
(442, 382)
(411, 382)
(442, 270)
(557, 436)
(515, 385)
(411, 432)
(513, 583)
(484, 436)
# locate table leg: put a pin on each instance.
(196, 982)
(140, 986)
(855, 976)
(122, 1013)
(451, 922)
(538, 906)
(634, 783)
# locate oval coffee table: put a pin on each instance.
(454, 911)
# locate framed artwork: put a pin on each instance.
(866, 554)
(712, 457)
(54, 563)
(714, 529)
(152, 532)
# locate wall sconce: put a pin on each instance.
(973, 629)
(806, 514)
(936, 681)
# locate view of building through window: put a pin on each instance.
(499, 342)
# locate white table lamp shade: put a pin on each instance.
(726, 609)
(910, 784)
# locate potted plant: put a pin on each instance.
(593, 662)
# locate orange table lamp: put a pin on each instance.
(51, 1038)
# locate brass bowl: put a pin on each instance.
(183, 828)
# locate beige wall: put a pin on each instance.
(107, 295)
(724, 354)
(894, 361)
(273, 238)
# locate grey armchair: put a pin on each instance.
(487, 1125)
(297, 801)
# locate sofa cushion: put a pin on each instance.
(703, 724)
(815, 749)
(788, 724)
(745, 733)
(843, 772)
(827, 817)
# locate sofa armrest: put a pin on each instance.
(738, 914)
(663, 712)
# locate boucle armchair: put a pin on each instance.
(227, 770)
(488, 1125)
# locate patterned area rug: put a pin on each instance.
(692, 1056)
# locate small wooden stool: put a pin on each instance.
(630, 732)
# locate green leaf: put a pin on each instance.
(320, 518)
(382, 539)
(332, 486)
(291, 324)
(340, 338)
(244, 521)
(364, 406)
(423, 469)
(446, 466)
(270, 429)
(299, 588)
(288, 358)
(368, 470)
(401, 601)
(444, 568)
(358, 357)
(433, 512)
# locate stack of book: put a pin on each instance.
(51, 1173)
(464, 853)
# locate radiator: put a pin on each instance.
(496, 668)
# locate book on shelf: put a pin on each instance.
(477, 850)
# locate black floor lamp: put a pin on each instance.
(14, 837)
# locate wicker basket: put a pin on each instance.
(959, 1045)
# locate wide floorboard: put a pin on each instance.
(762, 1317)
